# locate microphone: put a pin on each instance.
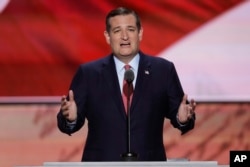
(129, 77)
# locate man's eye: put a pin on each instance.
(116, 31)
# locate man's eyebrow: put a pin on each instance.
(131, 26)
(116, 28)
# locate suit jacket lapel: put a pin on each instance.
(111, 78)
(143, 75)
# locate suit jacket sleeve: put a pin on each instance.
(79, 87)
(175, 96)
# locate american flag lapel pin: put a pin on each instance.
(146, 72)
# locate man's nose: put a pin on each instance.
(124, 35)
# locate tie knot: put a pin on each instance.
(127, 67)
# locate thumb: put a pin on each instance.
(184, 99)
(71, 96)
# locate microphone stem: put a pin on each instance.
(128, 117)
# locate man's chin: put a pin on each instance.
(127, 54)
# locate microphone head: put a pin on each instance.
(129, 76)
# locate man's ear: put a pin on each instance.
(107, 37)
(141, 34)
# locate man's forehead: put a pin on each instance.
(123, 18)
(122, 21)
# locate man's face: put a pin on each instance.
(124, 36)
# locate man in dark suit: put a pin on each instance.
(96, 95)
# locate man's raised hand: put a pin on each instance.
(68, 107)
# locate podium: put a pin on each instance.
(134, 164)
(168, 163)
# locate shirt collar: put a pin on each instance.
(134, 63)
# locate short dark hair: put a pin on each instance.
(122, 11)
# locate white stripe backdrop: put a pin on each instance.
(213, 62)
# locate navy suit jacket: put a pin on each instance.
(157, 95)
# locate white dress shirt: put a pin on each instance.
(134, 63)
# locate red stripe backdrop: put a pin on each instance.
(43, 41)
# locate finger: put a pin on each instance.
(190, 116)
(190, 108)
(64, 103)
(193, 105)
(65, 113)
(65, 107)
(63, 98)
(184, 99)
(71, 95)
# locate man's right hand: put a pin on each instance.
(68, 107)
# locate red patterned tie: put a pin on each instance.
(127, 90)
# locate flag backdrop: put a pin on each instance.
(42, 42)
